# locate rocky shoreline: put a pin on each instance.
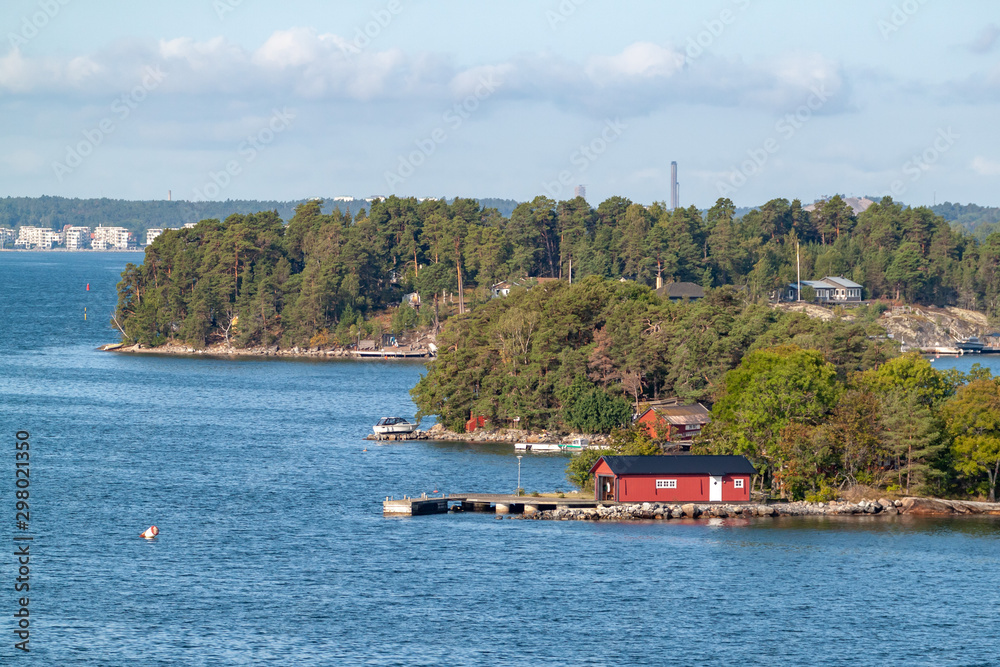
(665, 511)
(508, 436)
(230, 351)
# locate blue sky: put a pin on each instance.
(755, 99)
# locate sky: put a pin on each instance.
(754, 99)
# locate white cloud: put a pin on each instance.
(300, 63)
(985, 166)
(639, 61)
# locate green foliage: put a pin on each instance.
(630, 441)
(912, 374)
(287, 283)
(590, 409)
(770, 390)
(825, 494)
(524, 355)
(972, 417)
(405, 318)
(812, 403)
(578, 468)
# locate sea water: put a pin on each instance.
(273, 549)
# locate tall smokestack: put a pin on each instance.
(675, 193)
(170, 195)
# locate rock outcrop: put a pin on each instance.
(666, 511)
(937, 507)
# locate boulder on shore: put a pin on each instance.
(926, 507)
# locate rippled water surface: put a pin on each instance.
(273, 549)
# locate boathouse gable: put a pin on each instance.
(639, 479)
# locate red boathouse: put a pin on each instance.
(672, 479)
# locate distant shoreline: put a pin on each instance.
(67, 250)
(229, 352)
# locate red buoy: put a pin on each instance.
(88, 287)
(150, 532)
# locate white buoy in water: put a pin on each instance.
(150, 532)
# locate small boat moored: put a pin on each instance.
(971, 345)
(393, 425)
(577, 445)
(537, 447)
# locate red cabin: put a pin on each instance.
(675, 423)
(672, 479)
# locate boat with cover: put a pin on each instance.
(970, 345)
(389, 425)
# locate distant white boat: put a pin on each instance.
(537, 447)
(388, 425)
(577, 445)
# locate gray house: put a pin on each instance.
(829, 290)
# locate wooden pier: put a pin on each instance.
(493, 503)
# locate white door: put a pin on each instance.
(715, 489)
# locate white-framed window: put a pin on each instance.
(737, 483)
(666, 483)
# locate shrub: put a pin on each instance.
(824, 495)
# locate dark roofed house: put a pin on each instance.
(678, 291)
(672, 479)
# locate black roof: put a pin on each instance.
(679, 465)
(681, 291)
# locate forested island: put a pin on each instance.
(812, 403)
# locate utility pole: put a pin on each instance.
(518, 492)
(798, 274)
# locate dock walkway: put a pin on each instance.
(481, 502)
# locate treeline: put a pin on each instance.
(327, 271)
(978, 220)
(586, 356)
(903, 426)
(138, 216)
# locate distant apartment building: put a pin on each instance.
(111, 238)
(151, 235)
(77, 238)
(37, 238)
(7, 237)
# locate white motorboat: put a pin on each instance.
(392, 425)
(537, 447)
(577, 445)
